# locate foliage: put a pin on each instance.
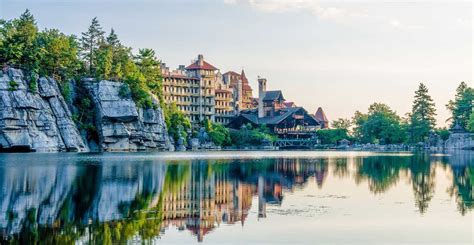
(381, 125)
(422, 117)
(332, 136)
(219, 134)
(342, 123)
(90, 42)
(248, 135)
(18, 42)
(149, 66)
(177, 123)
(461, 106)
(470, 125)
(443, 133)
(33, 84)
(66, 92)
(12, 86)
(58, 54)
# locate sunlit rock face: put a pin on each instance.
(35, 121)
(121, 125)
(48, 194)
(33, 193)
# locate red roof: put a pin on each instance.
(231, 73)
(320, 116)
(204, 66)
(246, 87)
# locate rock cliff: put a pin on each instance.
(35, 120)
(41, 120)
(121, 125)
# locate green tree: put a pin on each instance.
(461, 106)
(104, 62)
(422, 117)
(58, 54)
(149, 66)
(90, 42)
(219, 134)
(332, 136)
(177, 123)
(471, 123)
(342, 123)
(18, 42)
(381, 125)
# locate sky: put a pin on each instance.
(341, 55)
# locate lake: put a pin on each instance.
(293, 197)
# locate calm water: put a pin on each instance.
(237, 197)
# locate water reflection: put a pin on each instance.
(117, 200)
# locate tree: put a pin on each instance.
(90, 42)
(422, 117)
(342, 123)
(58, 54)
(18, 38)
(471, 123)
(332, 136)
(461, 106)
(176, 122)
(380, 125)
(149, 66)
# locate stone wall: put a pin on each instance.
(35, 121)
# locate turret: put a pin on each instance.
(262, 88)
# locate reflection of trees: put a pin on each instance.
(340, 168)
(423, 181)
(462, 187)
(382, 172)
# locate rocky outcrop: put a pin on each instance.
(35, 121)
(121, 125)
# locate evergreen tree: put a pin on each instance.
(18, 37)
(58, 54)
(461, 107)
(90, 43)
(149, 66)
(422, 117)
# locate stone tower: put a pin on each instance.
(262, 88)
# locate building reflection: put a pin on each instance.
(113, 202)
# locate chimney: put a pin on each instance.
(262, 88)
(200, 60)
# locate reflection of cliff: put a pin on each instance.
(113, 202)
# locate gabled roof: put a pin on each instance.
(252, 116)
(320, 116)
(273, 95)
(233, 73)
(204, 66)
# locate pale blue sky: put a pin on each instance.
(341, 55)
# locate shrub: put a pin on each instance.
(12, 86)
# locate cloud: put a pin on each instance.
(282, 6)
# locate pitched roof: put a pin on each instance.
(243, 77)
(273, 95)
(252, 115)
(320, 116)
(233, 73)
(204, 66)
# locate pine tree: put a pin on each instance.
(90, 43)
(112, 39)
(422, 115)
(461, 107)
